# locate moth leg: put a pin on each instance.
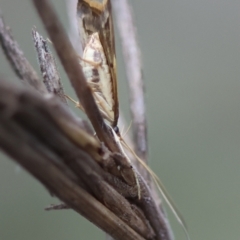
(77, 104)
(94, 64)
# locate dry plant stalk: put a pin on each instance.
(91, 175)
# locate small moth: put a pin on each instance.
(99, 66)
(97, 35)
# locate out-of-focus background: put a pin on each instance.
(191, 58)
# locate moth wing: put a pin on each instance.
(106, 36)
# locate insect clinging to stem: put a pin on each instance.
(99, 66)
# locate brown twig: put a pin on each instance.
(19, 63)
(133, 67)
(26, 122)
(48, 67)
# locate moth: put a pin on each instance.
(97, 39)
(99, 66)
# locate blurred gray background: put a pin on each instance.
(191, 57)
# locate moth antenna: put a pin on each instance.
(124, 134)
(162, 190)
